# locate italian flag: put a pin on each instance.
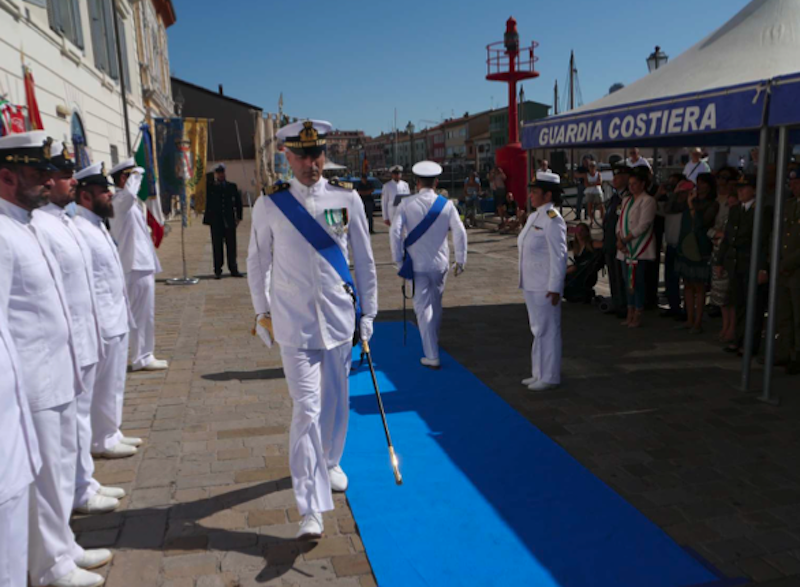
(155, 217)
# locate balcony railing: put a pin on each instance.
(498, 60)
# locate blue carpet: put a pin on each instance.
(488, 499)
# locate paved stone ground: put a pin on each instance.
(653, 413)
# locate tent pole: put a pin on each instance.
(752, 278)
(775, 252)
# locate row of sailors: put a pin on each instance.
(72, 302)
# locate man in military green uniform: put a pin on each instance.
(789, 281)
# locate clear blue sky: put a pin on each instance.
(353, 61)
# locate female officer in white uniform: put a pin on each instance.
(542, 266)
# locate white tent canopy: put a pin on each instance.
(713, 93)
(331, 166)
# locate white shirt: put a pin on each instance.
(542, 248)
(108, 278)
(640, 162)
(290, 280)
(57, 231)
(19, 446)
(692, 169)
(32, 297)
(129, 229)
(389, 200)
(748, 205)
(431, 252)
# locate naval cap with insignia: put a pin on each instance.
(396, 168)
(305, 137)
(31, 149)
(125, 165)
(547, 180)
(427, 169)
(60, 157)
(93, 175)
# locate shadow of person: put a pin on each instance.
(259, 375)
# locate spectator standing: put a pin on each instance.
(675, 189)
(545, 166)
(636, 160)
(721, 296)
(393, 191)
(472, 190)
(789, 281)
(593, 193)
(696, 165)
(509, 214)
(616, 280)
(497, 183)
(580, 177)
(364, 190)
(223, 215)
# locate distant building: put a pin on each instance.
(342, 142)
(153, 18)
(498, 125)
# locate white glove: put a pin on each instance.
(134, 181)
(264, 329)
(459, 269)
(366, 327)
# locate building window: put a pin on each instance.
(104, 42)
(65, 19)
(114, 155)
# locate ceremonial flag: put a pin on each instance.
(34, 118)
(169, 158)
(12, 120)
(195, 156)
(148, 191)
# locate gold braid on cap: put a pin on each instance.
(309, 137)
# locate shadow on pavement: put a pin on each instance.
(260, 375)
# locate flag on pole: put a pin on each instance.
(169, 158)
(195, 161)
(148, 191)
(12, 119)
(34, 118)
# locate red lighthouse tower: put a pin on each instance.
(505, 64)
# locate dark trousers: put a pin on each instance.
(671, 280)
(654, 268)
(227, 234)
(740, 280)
(369, 210)
(616, 282)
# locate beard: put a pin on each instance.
(103, 209)
(32, 196)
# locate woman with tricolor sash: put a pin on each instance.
(636, 246)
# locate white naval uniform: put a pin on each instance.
(58, 231)
(431, 257)
(313, 320)
(389, 193)
(19, 463)
(32, 294)
(542, 267)
(140, 265)
(114, 319)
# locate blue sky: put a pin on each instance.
(353, 62)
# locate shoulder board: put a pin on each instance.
(552, 213)
(277, 187)
(345, 185)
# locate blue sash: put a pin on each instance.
(318, 238)
(407, 270)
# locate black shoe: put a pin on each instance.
(218, 276)
(236, 274)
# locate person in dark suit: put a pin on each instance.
(223, 215)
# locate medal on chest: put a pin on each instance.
(337, 219)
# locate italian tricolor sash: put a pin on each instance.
(634, 249)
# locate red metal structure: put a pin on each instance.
(506, 63)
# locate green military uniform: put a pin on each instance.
(789, 286)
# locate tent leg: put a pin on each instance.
(752, 281)
(783, 142)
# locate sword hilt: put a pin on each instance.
(398, 478)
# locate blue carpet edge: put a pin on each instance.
(723, 581)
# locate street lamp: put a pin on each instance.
(656, 59)
(179, 102)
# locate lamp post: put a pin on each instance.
(410, 130)
(655, 60)
(179, 102)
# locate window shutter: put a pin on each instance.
(54, 15)
(77, 25)
(124, 50)
(111, 40)
(99, 41)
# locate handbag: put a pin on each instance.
(690, 248)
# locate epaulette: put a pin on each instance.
(345, 185)
(552, 213)
(278, 187)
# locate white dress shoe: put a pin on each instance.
(94, 557)
(79, 578)
(541, 386)
(115, 492)
(310, 527)
(98, 504)
(154, 365)
(528, 381)
(118, 451)
(131, 441)
(338, 479)
(430, 363)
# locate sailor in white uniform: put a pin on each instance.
(32, 297)
(542, 267)
(139, 261)
(392, 194)
(62, 238)
(304, 304)
(93, 197)
(429, 253)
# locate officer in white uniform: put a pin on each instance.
(140, 262)
(392, 194)
(299, 293)
(64, 241)
(430, 254)
(542, 267)
(93, 197)
(32, 296)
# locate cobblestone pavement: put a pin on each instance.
(652, 412)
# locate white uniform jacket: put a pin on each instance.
(113, 311)
(391, 189)
(290, 280)
(431, 252)
(129, 229)
(57, 230)
(19, 447)
(32, 297)
(542, 248)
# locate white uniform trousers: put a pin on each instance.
(428, 292)
(53, 549)
(142, 295)
(108, 394)
(318, 384)
(545, 321)
(14, 539)
(85, 484)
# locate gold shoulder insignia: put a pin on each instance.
(345, 185)
(552, 213)
(277, 187)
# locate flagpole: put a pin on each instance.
(185, 280)
(122, 87)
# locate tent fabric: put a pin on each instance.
(717, 86)
(330, 165)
